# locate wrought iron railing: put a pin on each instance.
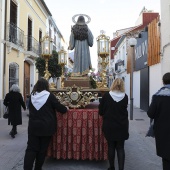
(15, 34)
(31, 44)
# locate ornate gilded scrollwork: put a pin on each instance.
(75, 97)
(87, 97)
(103, 83)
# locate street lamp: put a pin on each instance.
(46, 46)
(132, 43)
(62, 60)
(103, 47)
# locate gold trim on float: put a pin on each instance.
(78, 78)
(79, 74)
(74, 97)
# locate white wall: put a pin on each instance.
(139, 20)
(136, 89)
(165, 35)
(155, 79)
(165, 21)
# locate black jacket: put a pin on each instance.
(115, 118)
(159, 110)
(14, 101)
(42, 122)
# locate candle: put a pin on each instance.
(46, 50)
(62, 59)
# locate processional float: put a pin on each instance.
(76, 91)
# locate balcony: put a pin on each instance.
(32, 46)
(14, 37)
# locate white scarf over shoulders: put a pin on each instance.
(39, 99)
(117, 95)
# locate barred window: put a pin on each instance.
(13, 74)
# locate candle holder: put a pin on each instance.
(62, 60)
(103, 44)
(46, 46)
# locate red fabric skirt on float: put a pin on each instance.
(79, 136)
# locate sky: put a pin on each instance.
(107, 15)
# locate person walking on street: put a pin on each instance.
(27, 101)
(14, 100)
(113, 109)
(159, 110)
(42, 124)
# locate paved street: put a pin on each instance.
(140, 150)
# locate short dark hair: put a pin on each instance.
(166, 78)
(42, 84)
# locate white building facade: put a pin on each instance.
(144, 84)
(165, 36)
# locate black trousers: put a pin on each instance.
(36, 151)
(166, 164)
(14, 128)
(117, 146)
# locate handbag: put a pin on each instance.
(6, 113)
(150, 132)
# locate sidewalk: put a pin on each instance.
(140, 150)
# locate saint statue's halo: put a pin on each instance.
(84, 15)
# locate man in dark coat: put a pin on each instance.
(159, 110)
(14, 100)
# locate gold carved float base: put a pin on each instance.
(77, 92)
(83, 82)
(77, 97)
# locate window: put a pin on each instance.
(13, 74)
(50, 32)
(13, 13)
(13, 23)
(29, 48)
(55, 39)
(40, 36)
(40, 39)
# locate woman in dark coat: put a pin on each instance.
(42, 124)
(14, 100)
(113, 108)
(159, 110)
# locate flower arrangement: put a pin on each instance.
(92, 75)
(67, 74)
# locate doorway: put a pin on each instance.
(26, 79)
(144, 89)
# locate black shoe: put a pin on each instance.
(111, 168)
(11, 132)
(12, 135)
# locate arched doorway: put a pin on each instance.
(26, 79)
